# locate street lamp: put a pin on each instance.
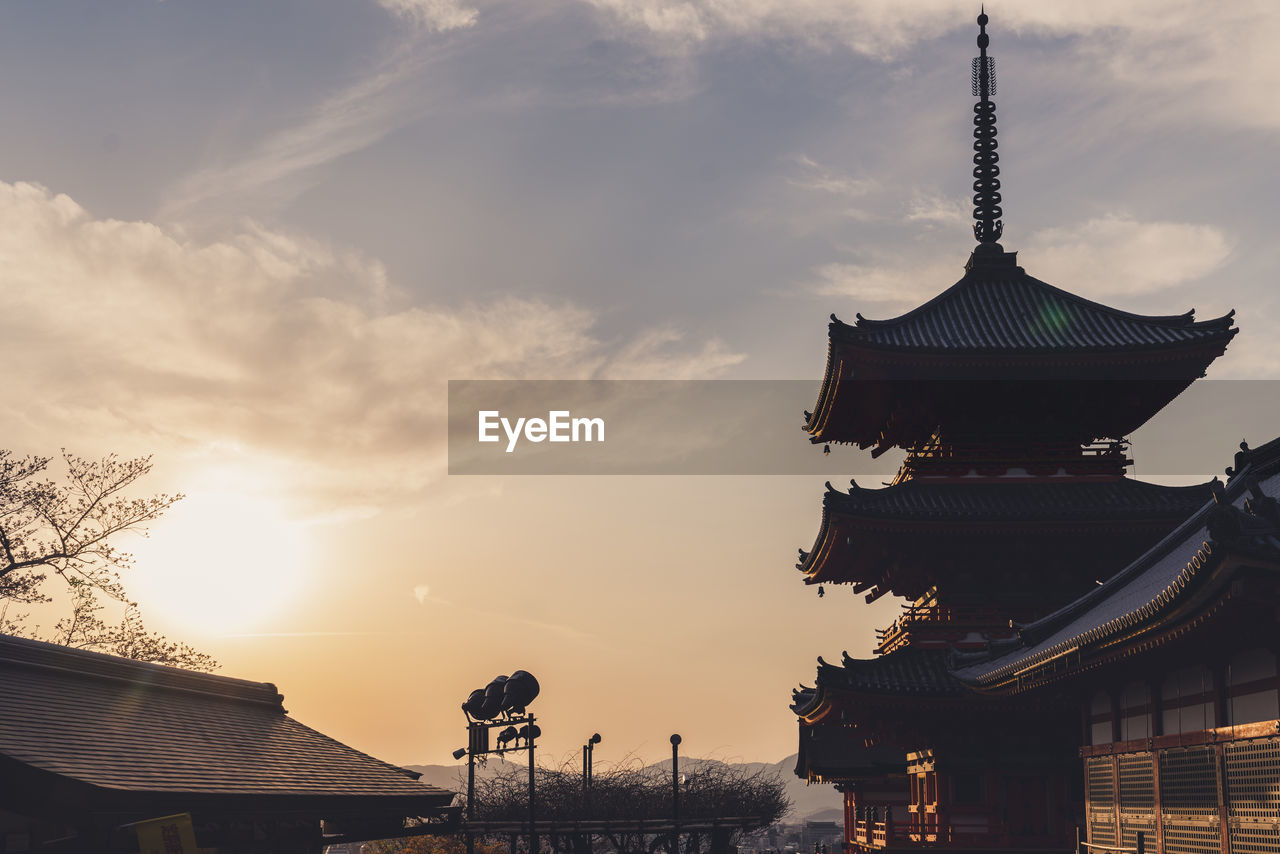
(501, 703)
(588, 773)
(675, 793)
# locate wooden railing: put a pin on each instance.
(948, 459)
(1083, 847)
(914, 617)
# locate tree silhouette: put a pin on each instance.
(64, 530)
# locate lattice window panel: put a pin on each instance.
(1254, 840)
(1100, 787)
(1189, 801)
(1253, 796)
(1137, 797)
(1189, 782)
(1180, 838)
(1253, 780)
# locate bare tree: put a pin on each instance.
(709, 790)
(64, 530)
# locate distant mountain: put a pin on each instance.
(808, 802)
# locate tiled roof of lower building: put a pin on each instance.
(1244, 517)
(121, 725)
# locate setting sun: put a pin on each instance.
(219, 563)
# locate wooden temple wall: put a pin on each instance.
(1190, 757)
(1219, 796)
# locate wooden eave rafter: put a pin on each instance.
(858, 532)
(848, 362)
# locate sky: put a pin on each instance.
(256, 239)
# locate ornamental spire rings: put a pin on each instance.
(987, 226)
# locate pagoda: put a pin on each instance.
(1012, 400)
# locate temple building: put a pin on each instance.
(1081, 651)
(93, 747)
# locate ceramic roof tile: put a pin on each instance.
(1019, 500)
(117, 724)
(1002, 309)
(1153, 578)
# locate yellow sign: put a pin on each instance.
(172, 834)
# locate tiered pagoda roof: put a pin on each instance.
(1000, 311)
(874, 536)
(908, 672)
(894, 382)
(828, 753)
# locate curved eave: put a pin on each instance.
(851, 516)
(843, 754)
(1217, 331)
(842, 415)
(1015, 310)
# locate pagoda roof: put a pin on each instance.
(1242, 519)
(913, 672)
(996, 308)
(129, 735)
(1089, 370)
(834, 754)
(1017, 499)
(1002, 502)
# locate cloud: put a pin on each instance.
(435, 15)
(421, 592)
(814, 176)
(1102, 258)
(936, 210)
(1115, 254)
(890, 282)
(285, 354)
(390, 96)
(1187, 62)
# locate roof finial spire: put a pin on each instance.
(988, 226)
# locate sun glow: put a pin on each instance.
(219, 562)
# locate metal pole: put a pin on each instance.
(533, 829)
(585, 771)
(471, 787)
(675, 794)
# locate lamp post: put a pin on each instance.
(675, 793)
(588, 769)
(502, 703)
(471, 787)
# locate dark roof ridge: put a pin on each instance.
(42, 655)
(985, 273)
(1044, 627)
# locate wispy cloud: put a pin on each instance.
(814, 176)
(1117, 254)
(435, 15)
(1102, 258)
(562, 629)
(391, 96)
(934, 209)
(1187, 63)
